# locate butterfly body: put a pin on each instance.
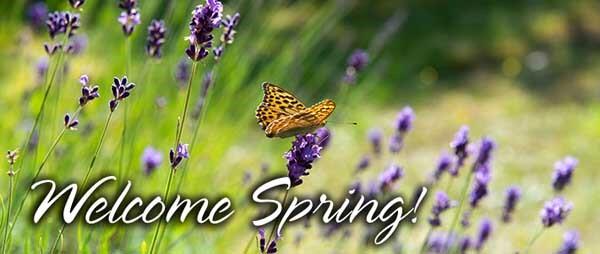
(281, 114)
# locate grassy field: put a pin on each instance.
(493, 85)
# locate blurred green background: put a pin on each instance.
(522, 72)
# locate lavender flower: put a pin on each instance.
(206, 84)
(121, 89)
(464, 245)
(375, 136)
(356, 62)
(513, 194)
(404, 120)
(563, 171)
(480, 186)
(151, 159)
(37, 14)
(441, 204)
(70, 123)
(177, 156)
(484, 154)
(229, 24)
(88, 93)
(459, 144)
(182, 72)
(438, 243)
(41, 67)
(389, 176)
(62, 23)
(205, 18)
(156, 38)
(128, 20)
(570, 243)
(323, 136)
(364, 163)
(305, 150)
(444, 163)
(555, 211)
(485, 230)
(76, 3)
(52, 48)
(77, 44)
(403, 124)
(262, 242)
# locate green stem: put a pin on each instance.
(167, 189)
(247, 248)
(424, 244)
(463, 196)
(87, 174)
(179, 132)
(267, 243)
(533, 239)
(39, 170)
(126, 109)
(10, 200)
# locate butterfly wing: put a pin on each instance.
(277, 103)
(306, 121)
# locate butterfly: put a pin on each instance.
(281, 114)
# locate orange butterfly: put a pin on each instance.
(282, 115)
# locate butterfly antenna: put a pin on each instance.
(351, 123)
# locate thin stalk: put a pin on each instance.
(267, 243)
(247, 248)
(39, 170)
(533, 239)
(10, 200)
(48, 84)
(179, 132)
(463, 196)
(167, 189)
(424, 244)
(87, 175)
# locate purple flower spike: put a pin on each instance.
(62, 23)
(70, 123)
(404, 120)
(182, 72)
(464, 244)
(444, 163)
(484, 154)
(151, 159)
(129, 20)
(563, 171)
(305, 150)
(262, 242)
(356, 62)
(205, 18)
(37, 14)
(389, 176)
(156, 38)
(459, 145)
(480, 186)
(88, 93)
(570, 243)
(485, 230)
(177, 156)
(439, 243)
(375, 136)
(513, 194)
(229, 24)
(442, 203)
(363, 163)
(323, 136)
(121, 89)
(555, 211)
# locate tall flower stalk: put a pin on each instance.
(11, 157)
(121, 89)
(88, 93)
